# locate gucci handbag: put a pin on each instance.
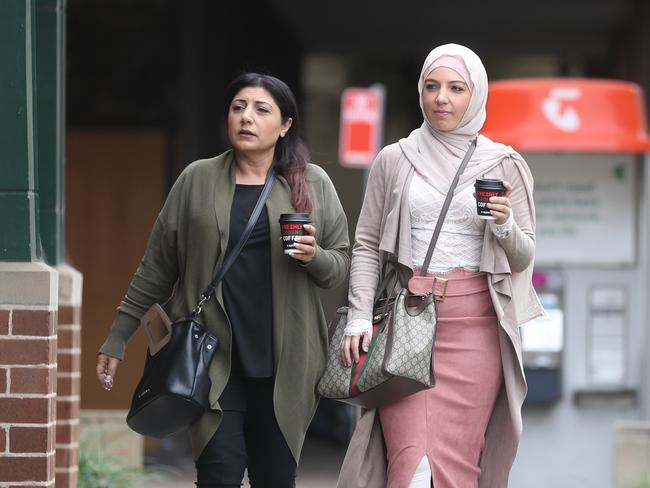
(400, 359)
(175, 385)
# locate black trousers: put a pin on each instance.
(248, 437)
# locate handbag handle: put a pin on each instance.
(230, 258)
(445, 207)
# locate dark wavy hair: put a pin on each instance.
(291, 153)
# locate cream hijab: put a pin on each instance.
(436, 155)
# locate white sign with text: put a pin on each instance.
(586, 208)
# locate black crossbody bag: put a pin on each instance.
(175, 385)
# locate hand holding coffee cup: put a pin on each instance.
(306, 244)
(298, 236)
(492, 202)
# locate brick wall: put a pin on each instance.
(68, 377)
(28, 346)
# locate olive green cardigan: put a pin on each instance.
(185, 249)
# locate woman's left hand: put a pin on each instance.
(306, 244)
(500, 206)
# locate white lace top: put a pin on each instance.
(461, 237)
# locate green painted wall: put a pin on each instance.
(50, 49)
(32, 37)
(19, 232)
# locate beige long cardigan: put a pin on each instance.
(185, 250)
(383, 233)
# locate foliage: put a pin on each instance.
(100, 470)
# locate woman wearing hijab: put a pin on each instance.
(465, 431)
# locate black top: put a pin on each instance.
(247, 288)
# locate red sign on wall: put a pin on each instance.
(362, 114)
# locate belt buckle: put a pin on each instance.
(445, 282)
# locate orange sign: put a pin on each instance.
(565, 114)
(362, 114)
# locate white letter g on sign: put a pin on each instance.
(564, 118)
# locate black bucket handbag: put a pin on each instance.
(175, 385)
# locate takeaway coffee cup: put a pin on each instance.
(486, 188)
(291, 225)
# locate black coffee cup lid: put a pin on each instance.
(489, 183)
(295, 217)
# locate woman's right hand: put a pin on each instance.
(350, 348)
(106, 367)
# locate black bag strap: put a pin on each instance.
(445, 207)
(392, 275)
(389, 279)
(230, 258)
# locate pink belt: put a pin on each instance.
(457, 282)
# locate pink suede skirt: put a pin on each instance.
(447, 423)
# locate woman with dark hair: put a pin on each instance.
(267, 314)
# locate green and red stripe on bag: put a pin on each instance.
(399, 361)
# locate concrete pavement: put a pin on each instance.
(318, 468)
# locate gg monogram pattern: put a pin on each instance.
(335, 382)
(413, 337)
(373, 374)
(410, 355)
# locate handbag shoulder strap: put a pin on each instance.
(230, 258)
(445, 207)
